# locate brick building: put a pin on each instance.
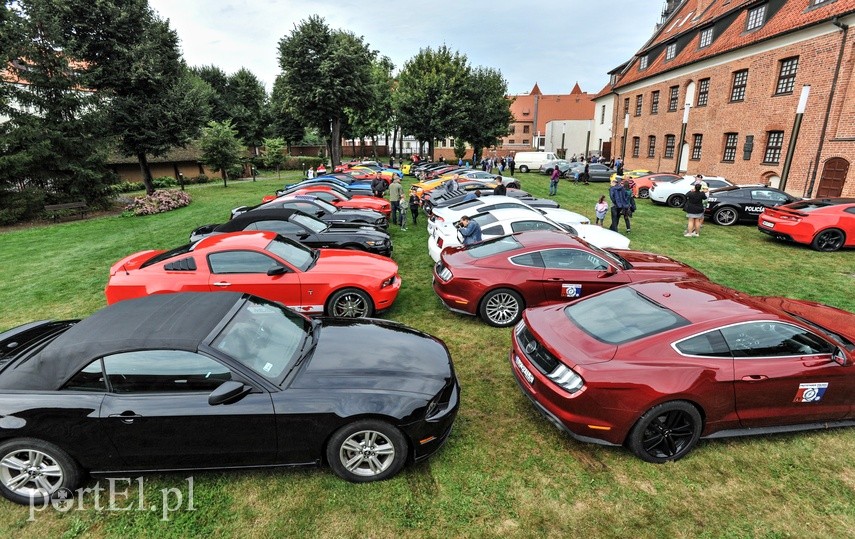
(734, 71)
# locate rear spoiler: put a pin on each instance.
(22, 339)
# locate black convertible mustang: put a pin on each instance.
(196, 381)
(305, 229)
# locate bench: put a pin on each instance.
(58, 210)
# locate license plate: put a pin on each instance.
(529, 377)
(768, 224)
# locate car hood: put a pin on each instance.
(651, 262)
(373, 354)
(356, 215)
(830, 318)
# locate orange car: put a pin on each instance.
(642, 186)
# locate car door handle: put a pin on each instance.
(222, 284)
(755, 378)
(553, 279)
(127, 416)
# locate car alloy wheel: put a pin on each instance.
(367, 450)
(725, 216)
(828, 240)
(31, 470)
(523, 168)
(501, 308)
(644, 192)
(666, 432)
(350, 303)
(677, 201)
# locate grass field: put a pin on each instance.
(505, 471)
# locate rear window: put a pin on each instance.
(184, 249)
(494, 246)
(811, 205)
(622, 315)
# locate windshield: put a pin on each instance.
(296, 254)
(326, 205)
(315, 225)
(265, 336)
(808, 206)
(622, 315)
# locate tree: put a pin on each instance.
(459, 148)
(247, 100)
(487, 109)
(221, 148)
(282, 122)
(133, 61)
(219, 82)
(429, 96)
(378, 116)
(274, 155)
(323, 74)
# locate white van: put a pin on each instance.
(528, 161)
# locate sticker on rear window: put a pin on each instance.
(810, 392)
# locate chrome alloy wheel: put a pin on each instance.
(30, 473)
(367, 453)
(502, 308)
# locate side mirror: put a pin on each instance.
(319, 213)
(608, 272)
(228, 392)
(839, 357)
(278, 270)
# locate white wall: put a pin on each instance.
(575, 133)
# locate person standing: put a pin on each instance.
(311, 173)
(378, 186)
(391, 161)
(402, 214)
(553, 181)
(511, 164)
(620, 205)
(470, 230)
(415, 204)
(396, 193)
(601, 208)
(501, 189)
(587, 172)
(694, 209)
(619, 167)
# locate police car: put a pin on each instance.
(743, 203)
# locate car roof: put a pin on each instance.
(515, 214)
(266, 214)
(160, 321)
(549, 239)
(245, 239)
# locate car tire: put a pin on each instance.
(726, 216)
(676, 201)
(549, 172)
(644, 192)
(367, 450)
(828, 240)
(350, 303)
(523, 168)
(50, 469)
(666, 432)
(501, 308)
(513, 185)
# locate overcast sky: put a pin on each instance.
(554, 43)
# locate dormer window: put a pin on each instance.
(706, 38)
(642, 64)
(671, 51)
(756, 17)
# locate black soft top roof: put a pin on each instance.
(269, 214)
(161, 321)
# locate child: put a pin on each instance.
(403, 215)
(415, 203)
(602, 208)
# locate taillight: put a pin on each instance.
(439, 242)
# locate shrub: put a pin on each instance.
(302, 163)
(163, 182)
(127, 187)
(159, 202)
(201, 178)
(17, 206)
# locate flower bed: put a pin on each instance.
(158, 202)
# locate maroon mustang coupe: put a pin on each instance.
(657, 365)
(498, 278)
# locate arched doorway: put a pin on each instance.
(684, 158)
(833, 177)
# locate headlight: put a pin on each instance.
(445, 274)
(566, 378)
(388, 282)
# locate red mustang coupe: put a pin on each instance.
(497, 279)
(657, 365)
(334, 282)
(825, 224)
(347, 201)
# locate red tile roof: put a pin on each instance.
(728, 17)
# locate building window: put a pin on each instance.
(774, 141)
(511, 141)
(525, 141)
(654, 103)
(526, 129)
(642, 64)
(730, 140)
(512, 129)
(672, 99)
(602, 114)
(638, 100)
(697, 143)
(703, 92)
(626, 106)
(756, 17)
(636, 146)
(787, 75)
(651, 146)
(669, 146)
(740, 81)
(706, 37)
(671, 51)
(541, 142)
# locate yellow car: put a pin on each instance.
(632, 174)
(406, 167)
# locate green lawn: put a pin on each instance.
(505, 471)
